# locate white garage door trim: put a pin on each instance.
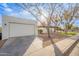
(22, 24)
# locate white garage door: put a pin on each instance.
(16, 29)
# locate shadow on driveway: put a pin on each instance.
(58, 52)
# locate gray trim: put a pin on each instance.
(20, 23)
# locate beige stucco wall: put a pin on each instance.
(45, 30)
(6, 20)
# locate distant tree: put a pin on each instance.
(70, 15)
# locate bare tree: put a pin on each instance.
(46, 10)
(54, 14)
(70, 16)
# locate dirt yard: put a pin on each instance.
(55, 37)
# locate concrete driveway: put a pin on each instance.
(16, 46)
(33, 46)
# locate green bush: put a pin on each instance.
(40, 31)
(0, 29)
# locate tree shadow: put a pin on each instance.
(55, 37)
(70, 49)
(58, 52)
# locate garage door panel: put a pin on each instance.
(21, 29)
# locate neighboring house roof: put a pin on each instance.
(50, 27)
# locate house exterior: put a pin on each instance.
(44, 30)
(15, 27)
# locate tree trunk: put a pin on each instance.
(54, 30)
(48, 32)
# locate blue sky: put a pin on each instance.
(13, 9)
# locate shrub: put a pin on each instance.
(40, 31)
(0, 29)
